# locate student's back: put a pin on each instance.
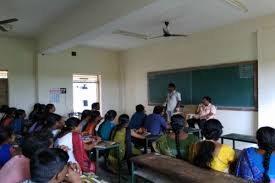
(138, 119)
(155, 123)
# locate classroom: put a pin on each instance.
(137, 91)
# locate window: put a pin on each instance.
(85, 91)
(4, 89)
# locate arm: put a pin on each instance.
(136, 135)
(179, 101)
(212, 112)
(199, 109)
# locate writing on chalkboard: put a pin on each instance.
(246, 71)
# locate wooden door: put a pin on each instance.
(4, 92)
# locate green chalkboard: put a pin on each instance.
(231, 86)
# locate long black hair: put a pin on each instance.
(110, 115)
(123, 122)
(85, 114)
(177, 123)
(266, 142)
(212, 131)
(71, 123)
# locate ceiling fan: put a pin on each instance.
(165, 30)
(4, 24)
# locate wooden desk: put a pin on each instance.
(159, 168)
(239, 137)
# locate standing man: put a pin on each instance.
(173, 100)
(205, 111)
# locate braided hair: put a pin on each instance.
(266, 142)
(177, 123)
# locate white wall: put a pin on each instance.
(18, 56)
(233, 43)
(56, 71)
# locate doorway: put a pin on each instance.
(86, 90)
(4, 88)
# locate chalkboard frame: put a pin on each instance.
(255, 79)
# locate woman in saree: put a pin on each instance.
(258, 165)
(177, 143)
(122, 135)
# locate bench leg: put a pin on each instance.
(234, 144)
(222, 140)
(133, 177)
(97, 161)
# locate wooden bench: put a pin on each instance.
(164, 169)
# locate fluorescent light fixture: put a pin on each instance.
(237, 4)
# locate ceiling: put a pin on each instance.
(34, 15)
(186, 16)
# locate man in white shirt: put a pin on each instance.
(205, 111)
(173, 100)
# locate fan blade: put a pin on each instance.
(155, 37)
(131, 34)
(178, 35)
(9, 21)
(3, 29)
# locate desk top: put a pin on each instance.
(240, 137)
(104, 145)
(179, 170)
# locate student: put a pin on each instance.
(51, 166)
(6, 149)
(258, 165)
(36, 112)
(210, 154)
(206, 110)
(85, 118)
(138, 119)
(155, 123)
(70, 137)
(122, 135)
(18, 123)
(108, 125)
(18, 168)
(173, 100)
(9, 117)
(177, 143)
(55, 123)
(91, 126)
(96, 106)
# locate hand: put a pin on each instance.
(64, 148)
(73, 174)
(98, 139)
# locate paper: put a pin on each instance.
(54, 95)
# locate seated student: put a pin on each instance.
(176, 144)
(51, 166)
(122, 135)
(96, 106)
(91, 126)
(18, 168)
(155, 123)
(9, 117)
(138, 119)
(33, 116)
(206, 110)
(71, 138)
(210, 154)
(85, 118)
(258, 165)
(6, 149)
(54, 123)
(18, 122)
(105, 129)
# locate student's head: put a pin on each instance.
(177, 123)
(20, 113)
(72, 125)
(50, 108)
(95, 106)
(266, 141)
(171, 87)
(110, 115)
(140, 108)
(49, 165)
(158, 110)
(6, 135)
(206, 100)
(212, 131)
(55, 121)
(37, 107)
(11, 112)
(86, 115)
(123, 121)
(95, 116)
(35, 142)
(43, 108)
(4, 108)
